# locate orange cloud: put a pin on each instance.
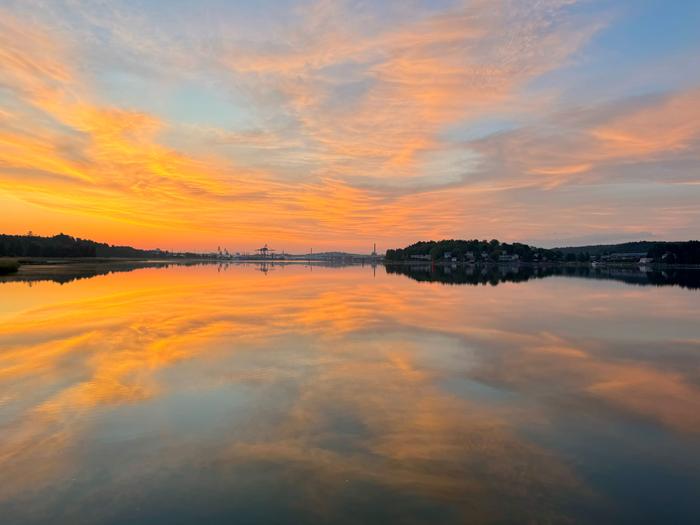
(667, 127)
(419, 78)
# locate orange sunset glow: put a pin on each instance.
(339, 124)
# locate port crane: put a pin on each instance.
(266, 252)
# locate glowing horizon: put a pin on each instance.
(335, 125)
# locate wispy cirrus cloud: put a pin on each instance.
(596, 144)
(374, 105)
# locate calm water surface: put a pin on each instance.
(209, 395)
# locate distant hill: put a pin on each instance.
(66, 246)
(604, 249)
(678, 252)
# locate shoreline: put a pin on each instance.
(66, 270)
(115, 261)
(634, 265)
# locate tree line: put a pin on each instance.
(687, 252)
(472, 250)
(494, 275)
(676, 252)
(63, 245)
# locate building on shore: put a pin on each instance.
(623, 257)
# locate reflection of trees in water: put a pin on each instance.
(66, 273)
(459, 274)
(495, 274)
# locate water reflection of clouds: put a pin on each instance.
(345, 378)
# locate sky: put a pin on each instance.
(333, 125)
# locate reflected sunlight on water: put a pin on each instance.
(189, 393)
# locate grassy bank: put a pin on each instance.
(8, 266)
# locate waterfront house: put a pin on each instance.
(623, 257)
